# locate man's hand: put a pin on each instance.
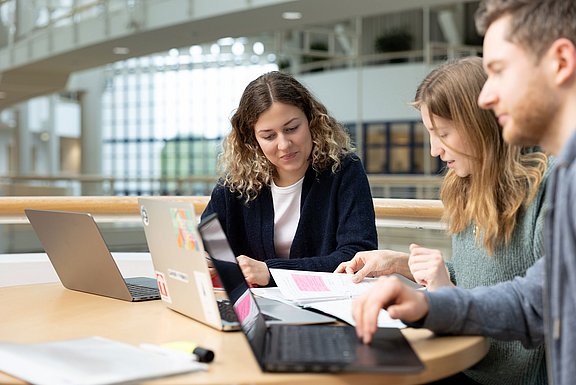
(401, 302)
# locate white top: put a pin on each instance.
(286, 215)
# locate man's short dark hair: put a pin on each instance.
(534, 24)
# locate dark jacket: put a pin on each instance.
(336, 220)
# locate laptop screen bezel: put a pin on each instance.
(233, 281)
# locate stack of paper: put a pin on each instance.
(303, 287)
(87, 361)
(330, 293)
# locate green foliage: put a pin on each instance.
(394, 40)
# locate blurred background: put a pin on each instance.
(133, 97)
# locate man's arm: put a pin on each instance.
(508, 311)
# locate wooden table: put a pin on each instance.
(46, 312)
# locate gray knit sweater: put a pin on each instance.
(506, 362)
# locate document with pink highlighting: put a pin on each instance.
(301, 287)
(329, 293)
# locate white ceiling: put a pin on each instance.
(50, 74)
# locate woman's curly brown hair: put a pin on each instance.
(243, 166)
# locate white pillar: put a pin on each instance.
(25, 14)
(53, 140)
(5, 139)
(91, 128)
(23, 140)
(359, 96)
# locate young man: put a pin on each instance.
(530, 59)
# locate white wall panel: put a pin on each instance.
(384, 92)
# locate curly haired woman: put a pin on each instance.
(292, 193)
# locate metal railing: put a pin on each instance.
(433, 52)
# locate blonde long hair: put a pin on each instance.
(243, 166)
(503, 179)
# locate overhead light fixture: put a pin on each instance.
(291, 15)
(121, 50)
(226, 41)
(215, 49)
(196, 50)
(258, 48)
(237, 48)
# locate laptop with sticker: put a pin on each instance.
(81, 258)
(303, 348)
(181, 268)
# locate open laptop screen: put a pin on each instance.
(251, 318)
(303, 348)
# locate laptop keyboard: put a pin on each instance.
(308, 343)
(142, 291)
(226, 310)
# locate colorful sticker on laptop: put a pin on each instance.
(163, 287)
(206, 294)
(184, 222)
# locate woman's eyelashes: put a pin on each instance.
(286, 130)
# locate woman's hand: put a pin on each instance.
(375, 263)
(255, 272)
(428, 267)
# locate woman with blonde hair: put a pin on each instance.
(493, 197)
(292, 194)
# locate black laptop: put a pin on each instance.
(303, 348)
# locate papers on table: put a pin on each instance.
(302, 287)
(342, 309)
(330, 293)
(88, 361)
(338, 308)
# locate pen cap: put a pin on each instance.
(204, 355)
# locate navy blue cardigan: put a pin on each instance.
(336, 220)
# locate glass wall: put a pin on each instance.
(398, 148)
(164, 118)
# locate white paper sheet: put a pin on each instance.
(342, 309)
(311, 286)
(339, 308)
(87, 361)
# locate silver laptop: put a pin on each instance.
(82, 260)
(181, 267)
(303, 348)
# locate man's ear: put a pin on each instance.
(563, 55)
